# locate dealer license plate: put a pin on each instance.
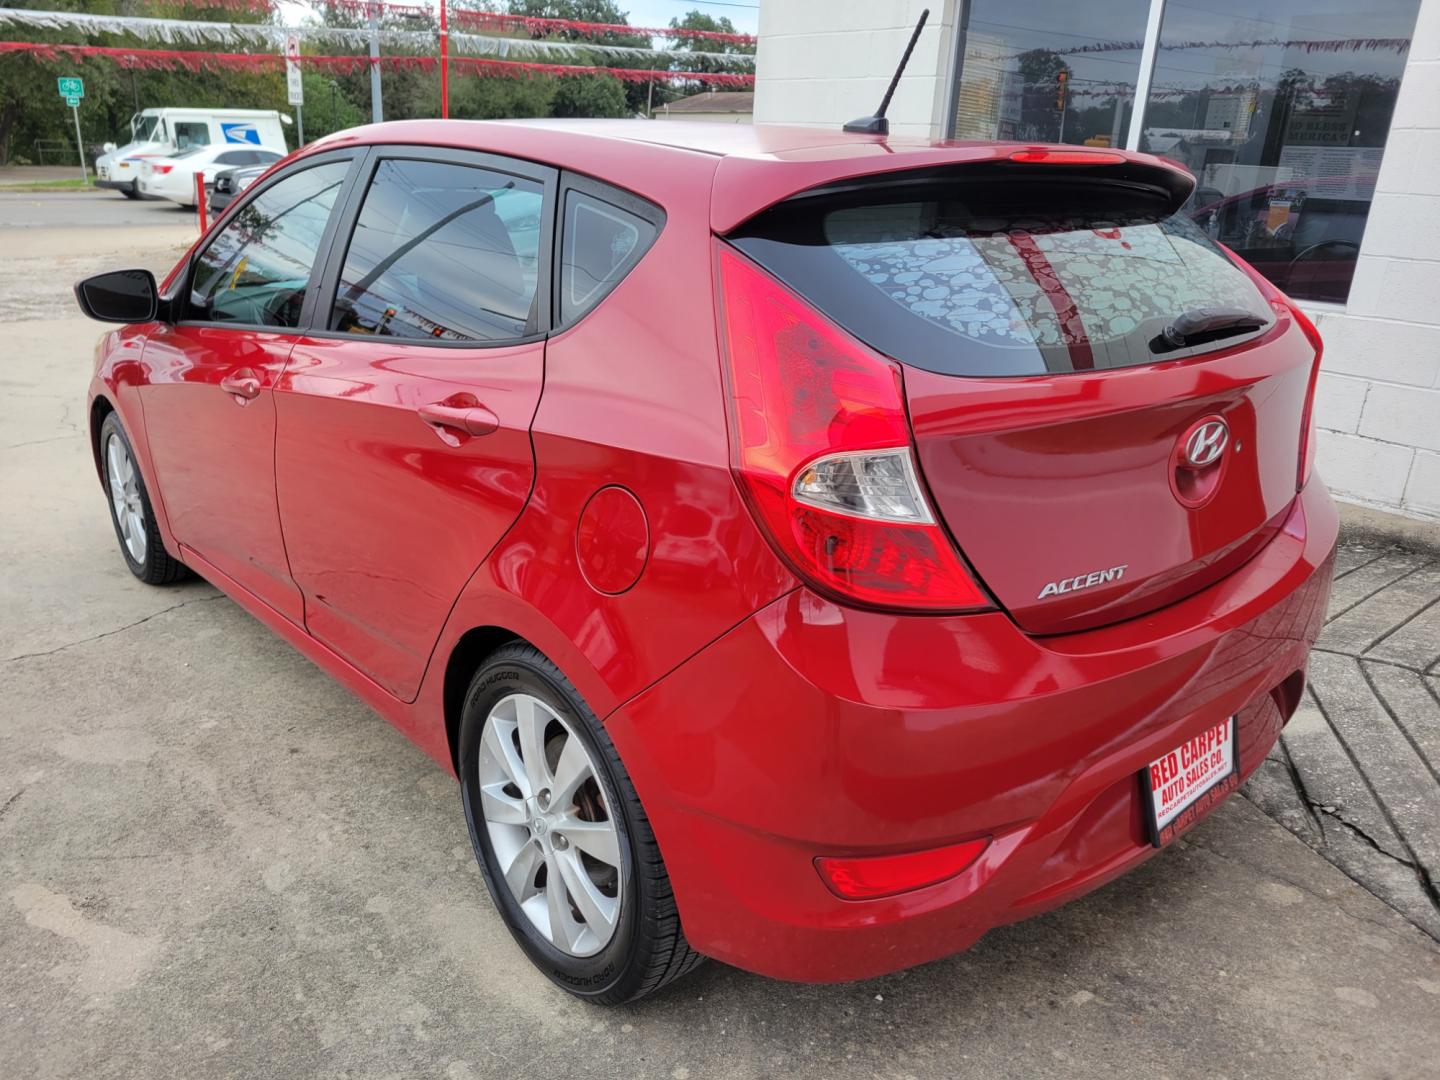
(1179, 787)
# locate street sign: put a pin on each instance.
(72, 89)
(293, 84)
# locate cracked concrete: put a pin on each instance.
(1364, 748)
(215, 862)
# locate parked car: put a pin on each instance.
(229, 184)
(807, 550)
(165, 132)
(1300, 237)
(173, 178)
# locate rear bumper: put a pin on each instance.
(813, 729)
(116, 185)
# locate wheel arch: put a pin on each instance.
(100, 408)
(470, 651)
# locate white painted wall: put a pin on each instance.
(1378, 403)
(823, 62)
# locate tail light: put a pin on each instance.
(821, 448)
(1040, 156)
(1307, 418)
(162, 169)
(1285, 306)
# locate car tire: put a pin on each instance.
(130, 510)
(130, 193)
(645, 947)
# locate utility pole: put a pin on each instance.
(377, 106)
(444, 64)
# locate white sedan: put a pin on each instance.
(173, 178)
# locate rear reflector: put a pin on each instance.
(1067, 157)
(820, 445)
(886, 875)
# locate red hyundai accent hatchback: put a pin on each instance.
(809, 550)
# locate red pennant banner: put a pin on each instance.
(532, 24)
(193, 60)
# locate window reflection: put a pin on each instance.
(1050, 71)
(257, 269)
(440, 251)
(1281, 111)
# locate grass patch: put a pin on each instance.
(52, 185)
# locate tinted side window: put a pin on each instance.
(189, 133)
(235, 157)
(257, 269)
(599, 244)
(442, 251)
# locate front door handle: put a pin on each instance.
(466, 419)
(243, 383)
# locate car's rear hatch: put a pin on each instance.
(1073, 353)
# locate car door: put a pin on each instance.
(403, 438)
(209, 409)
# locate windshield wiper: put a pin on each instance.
(1208, 324)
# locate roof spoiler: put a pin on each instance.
(744, 186)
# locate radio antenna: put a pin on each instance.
(879, 124)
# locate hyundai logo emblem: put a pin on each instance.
(1206, 443)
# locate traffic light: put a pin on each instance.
(1061, 78)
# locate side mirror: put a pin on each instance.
(108, 147)
(121, 296)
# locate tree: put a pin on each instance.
(698, 20)
(589, 95)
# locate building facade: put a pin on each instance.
(1312, 127)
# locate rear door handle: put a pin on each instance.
(243, 383)
(466, 419)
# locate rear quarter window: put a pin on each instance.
(984, 279)
(604, 233)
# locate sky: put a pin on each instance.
(745, 14)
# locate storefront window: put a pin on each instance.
(1281, 110)
(1050, 70)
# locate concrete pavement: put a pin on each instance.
(215, 862)
(94, 209)
(1356, 774)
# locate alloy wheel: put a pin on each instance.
(124, 483)
(550, 824)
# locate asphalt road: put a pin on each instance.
(215, 862)
(86, 210)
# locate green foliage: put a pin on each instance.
(31, 109)
(498, 99)
(698, 20)
(327, 109)
(589, 95)
(598, 11)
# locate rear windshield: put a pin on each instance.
(1011, 278)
